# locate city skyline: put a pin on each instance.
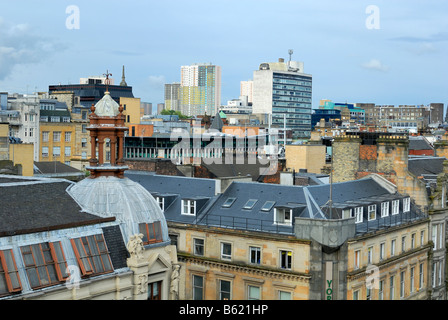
(378, 52)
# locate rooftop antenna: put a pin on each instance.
(290, 52)
(107, 81)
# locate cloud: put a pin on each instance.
(436, 37)
(19, 46)
(375, 64)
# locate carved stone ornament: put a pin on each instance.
(135, 246)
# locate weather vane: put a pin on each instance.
(107, 81)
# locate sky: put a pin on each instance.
(391, 52)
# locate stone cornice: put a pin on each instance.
(243, 268)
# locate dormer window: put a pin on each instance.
(347, 213)
(283, 216)
(161, 202)
(9, 276)
(395, 207)
(406, 204)
(384, 209)
(371, 212)
(358, 214)
(92, 255)
(45, 264)
(152, 232)
(189, 207)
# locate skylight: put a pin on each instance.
(228, 203)
(250, 204)
(267, 206)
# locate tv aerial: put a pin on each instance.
(290, 52)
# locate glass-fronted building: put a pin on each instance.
(285, 92)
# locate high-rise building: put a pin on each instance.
(247, 89)
(172, 96)
(200, 89)
(284, 92)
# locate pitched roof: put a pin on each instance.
(33, 205)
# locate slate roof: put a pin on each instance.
(174, 189)
(425, 165)
(419, 143)
(33, 205)
(44, 167)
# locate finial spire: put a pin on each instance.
(123, 81)
(107, 81)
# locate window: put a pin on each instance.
(346, 213)
(406, 204)
(224, 289)
(421, 279)
(31, 132)
(382, 251)
(45, 264)
(56, 151)
(392, 247)
(250, 204)
(422, 237)
(381, 290)
(268, 206)
(198, 247)
(253, 293)
(83, 143)
(56, 136)
(412, 287)
(84, 128)
(161, 202)
(68, 136)
(392, 287)
(55, 119)
(372, 212)
(154, 290)
(174, 239)
(403, 243)
(92, 255)
(68, 151)
(358, 214)
(189, 207)
(9, 276)
(45, 135)
(384, 209)
(413, 241)
(441, 233)
(226, 251)
(83, 155)
(395, 207)
(434, 268)
(284, 295)
(368, 294)
(44, 152)
(283, 216)
(357, 259)
(65, 119)
(198, 287)
(356, 295)
(402, 274)
(434, 236)
(255, 255)
(152, 232)
(369, 255)
(228, 203)
(285, 259)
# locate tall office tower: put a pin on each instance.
(283, 91)
(200, 89)
(172, 96)
(246, 89)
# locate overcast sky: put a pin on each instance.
(383, 52)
